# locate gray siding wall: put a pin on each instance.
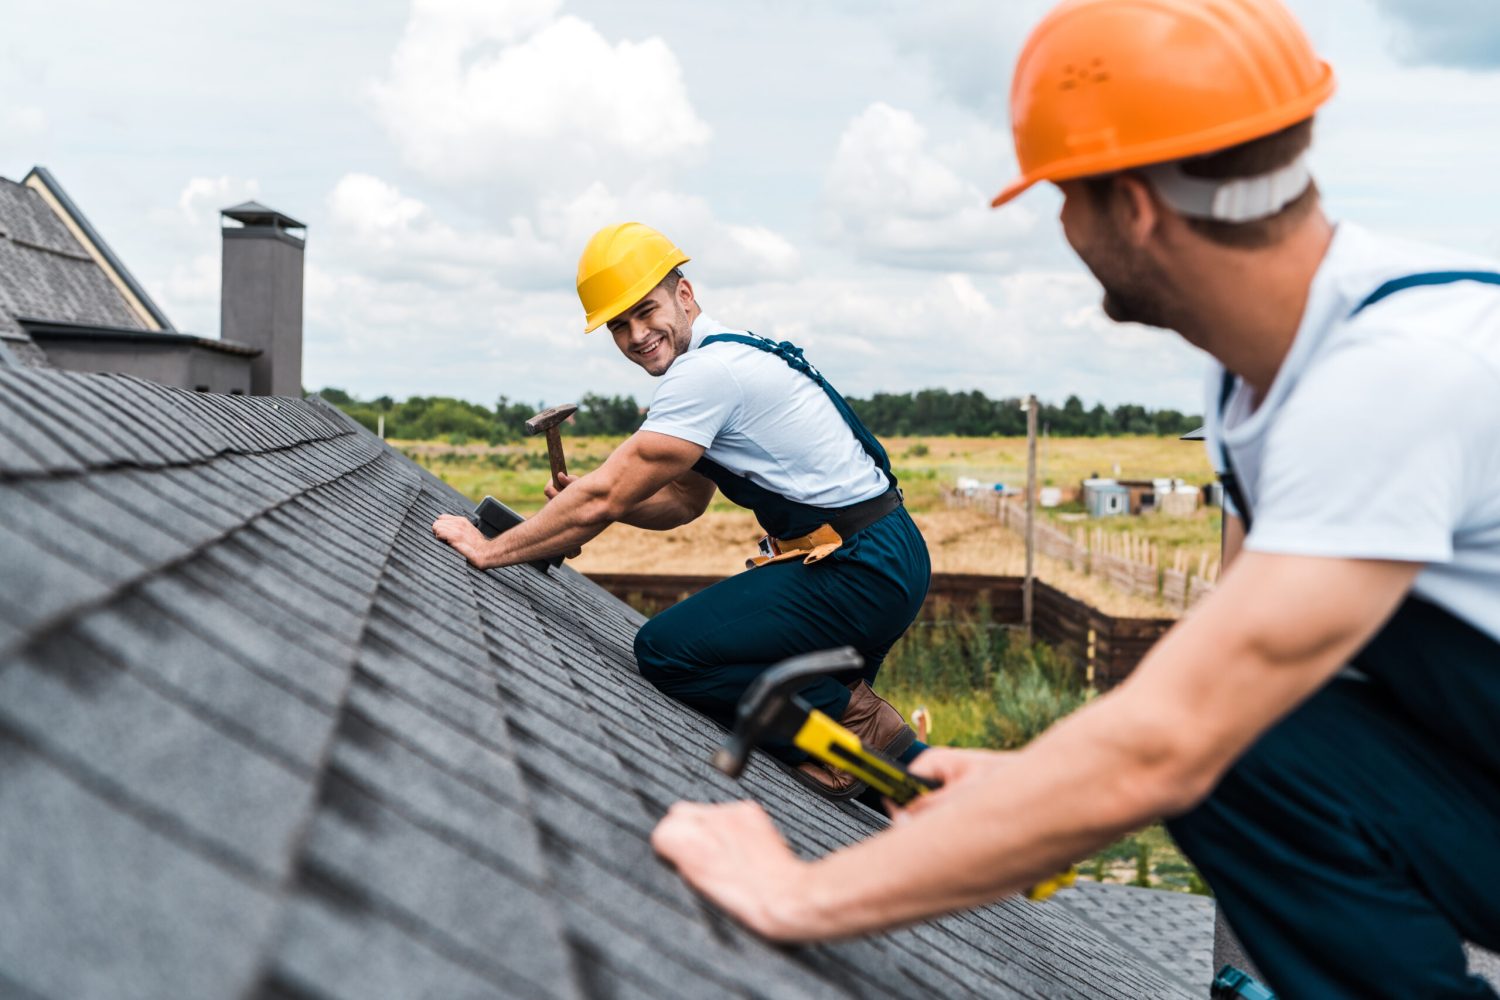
(170, 364)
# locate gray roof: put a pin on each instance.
(261, 734)
(45, 332)
(46, 274)
(1173, 931)
(253, 213)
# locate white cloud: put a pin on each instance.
(504, 92)
(23, 121)
(187, 286)
(896, 200)
(1037, 332)
(386, 234)
(203, 197)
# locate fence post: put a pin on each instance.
(1026, 593)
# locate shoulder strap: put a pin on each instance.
(1423, 279)
(1230, 481)
(792, 355)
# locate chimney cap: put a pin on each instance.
(253, 213)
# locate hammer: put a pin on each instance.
(771, 709)
(550, 420)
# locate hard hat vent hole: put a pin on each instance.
(1074, 75)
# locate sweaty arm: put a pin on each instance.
(1275, 629)
(634, 473)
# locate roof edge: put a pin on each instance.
(40, 179)
(44, 328)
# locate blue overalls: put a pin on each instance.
(706, 650)
(1358, 841)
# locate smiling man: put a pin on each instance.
(842, 562)
(1321, 730)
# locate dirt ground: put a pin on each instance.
(960, 541)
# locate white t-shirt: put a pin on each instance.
(758, 417)
(1380, 435)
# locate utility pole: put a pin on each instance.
(1026, 588)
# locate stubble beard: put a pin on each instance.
(1133, 287)
(680, 336)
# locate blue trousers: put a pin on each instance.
(706, 650)
(1357, 843)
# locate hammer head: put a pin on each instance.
(770, 707)
(550, 418)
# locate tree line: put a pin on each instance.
(925, 412)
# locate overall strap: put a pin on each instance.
(1421, 280)
(1424, 279)
(1228, 478)
(792, 355)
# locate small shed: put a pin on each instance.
(1105, 498)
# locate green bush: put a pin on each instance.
(1033, 688)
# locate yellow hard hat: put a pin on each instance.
(619, 267)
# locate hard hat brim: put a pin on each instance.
(1013, 190)
(636, 292)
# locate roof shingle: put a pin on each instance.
(261, 733)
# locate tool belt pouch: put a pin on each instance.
(810, 548)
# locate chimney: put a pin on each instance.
(261, 297)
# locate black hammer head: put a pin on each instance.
(769, 707)
(550, 418)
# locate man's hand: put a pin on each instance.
(950, 767)
(554, 486)
(733, 855)
(460, 533)
(557, 484)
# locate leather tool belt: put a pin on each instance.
(817, 544)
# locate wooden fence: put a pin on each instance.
(1105, 646)
(1125, 561)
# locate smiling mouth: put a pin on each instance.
(651, 350)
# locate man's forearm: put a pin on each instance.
(1024, 819)
(572, 518)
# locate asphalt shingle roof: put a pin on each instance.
(46, 274)
(261, 734)
(1171, 931)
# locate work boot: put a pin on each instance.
(876, 722)
(827, 781)
(879, 727)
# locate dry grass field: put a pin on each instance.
(961, 541)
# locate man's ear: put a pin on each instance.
(684, 292)
(1140, 214)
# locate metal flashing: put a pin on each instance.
(41, 330)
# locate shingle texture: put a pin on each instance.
(262, 735)
(1172, 931)
(46, 274)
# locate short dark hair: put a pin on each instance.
(1248, 159)
(670, 281)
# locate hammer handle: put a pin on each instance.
(555, 455)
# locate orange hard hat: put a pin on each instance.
(1106, 85)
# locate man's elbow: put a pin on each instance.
(1171, 769)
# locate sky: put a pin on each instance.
(827, 166)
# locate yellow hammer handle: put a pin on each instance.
(820, 735)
